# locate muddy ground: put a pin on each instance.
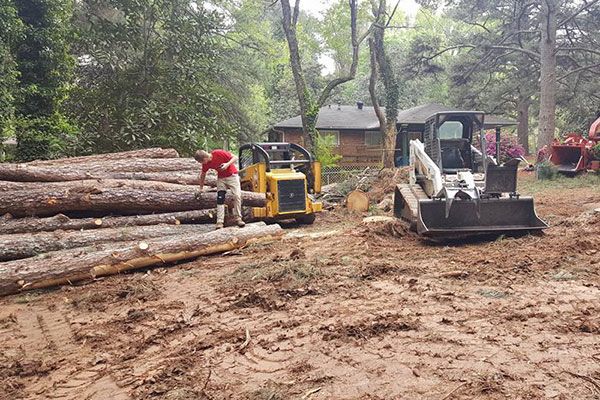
(339, 310)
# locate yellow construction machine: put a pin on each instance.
(288, 174)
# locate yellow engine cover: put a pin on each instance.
(286, 190)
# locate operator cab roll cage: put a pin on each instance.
(454, 154)
(264, 152)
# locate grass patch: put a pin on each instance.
(532, 185)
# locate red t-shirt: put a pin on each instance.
(220, 157)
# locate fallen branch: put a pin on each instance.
(453, 391)
(311, 392)
(246, 342)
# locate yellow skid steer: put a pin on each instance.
(288, 174)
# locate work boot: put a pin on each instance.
(240, 223)
(220, 216)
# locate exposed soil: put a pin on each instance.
(339, 310)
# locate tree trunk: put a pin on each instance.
(113, 201)
(372, 84)
(62, 222)
(523, 122)
(309, 108)
(6, 186)
(289, 28)
(13, 247)
(25, 172)
(392, 91)
(74, 265)
(547, 73)
(156, 152)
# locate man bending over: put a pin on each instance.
(227, 178)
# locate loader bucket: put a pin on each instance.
(483, 217)
(568, 159)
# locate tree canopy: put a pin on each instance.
(102, 75)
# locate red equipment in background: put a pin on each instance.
(574, 154)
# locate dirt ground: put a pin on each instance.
(338, 310)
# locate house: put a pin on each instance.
(356, 135)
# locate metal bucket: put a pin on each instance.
(470, 217)
(568, 159)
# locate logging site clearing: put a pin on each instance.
(355, 306)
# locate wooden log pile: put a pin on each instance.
(73, 219)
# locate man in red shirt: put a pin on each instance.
(227, 178)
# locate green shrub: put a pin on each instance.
(42, 138)
(546, 170)
(595, 152)
(324, 146)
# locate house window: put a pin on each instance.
(373, 138)
(335, 135)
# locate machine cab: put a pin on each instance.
(449, 137)
(285, 157)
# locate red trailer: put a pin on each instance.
(574, 154)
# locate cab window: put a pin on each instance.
(451, 130)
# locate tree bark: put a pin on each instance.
(6, 186)
(189, 177)
(25, 172)
(387, 123)
(113, 200)
(309, 108)
(372, 85)
(155, 152)
(523, 122)
(62, 222)
(547, 116)
(13, 247)
(289, 28)
(67, 266)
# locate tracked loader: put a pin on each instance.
(456, 190)
(288, 174)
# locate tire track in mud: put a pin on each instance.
(47, 336)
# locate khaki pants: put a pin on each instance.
(233, 184)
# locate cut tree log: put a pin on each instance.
(62, 222)
(177, 177)
(180, 177)
(155, 152)
(68, 266)
(24, 245)
(357, 201)
(6, 186)
(31, 173)
(113, 200)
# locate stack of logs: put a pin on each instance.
(73, 219)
